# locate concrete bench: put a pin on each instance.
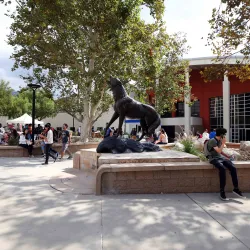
(165, 177)
(17, 151)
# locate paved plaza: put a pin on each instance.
(48, 207)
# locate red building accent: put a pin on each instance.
(205, 90)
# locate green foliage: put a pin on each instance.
(230, 35)
(14, 106)
(74, 46)
(189, 147)
(6, 99)
(45, 105)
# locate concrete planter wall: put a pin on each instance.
(17, 151)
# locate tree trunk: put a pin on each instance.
(88, 108)
(85, 127)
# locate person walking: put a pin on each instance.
(48, 140)
(215, 157)
(66, 140)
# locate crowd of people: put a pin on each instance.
(43, 136)
(205, 135)
(160, 137)
(8, 133)
(48, 135)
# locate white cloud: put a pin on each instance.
(15, 81)
(190, 17)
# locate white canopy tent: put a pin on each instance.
(24, 119)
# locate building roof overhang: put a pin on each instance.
(202, 62)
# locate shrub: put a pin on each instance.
(189, 146)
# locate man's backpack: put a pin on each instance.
(207, 152)
(205, 149)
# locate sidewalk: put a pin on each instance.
(34, 216)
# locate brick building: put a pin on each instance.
(220, 103)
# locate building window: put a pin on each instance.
(166, 114)
(180, 109)
(216, 112)
(239, 116)
(195, 109)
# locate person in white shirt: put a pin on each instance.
(163, 138)
(2, 131)
(48, 140)
(24, 142)
(205, 135)
(79, 131)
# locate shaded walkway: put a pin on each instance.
(35, 216)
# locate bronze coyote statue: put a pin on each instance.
(126, 106)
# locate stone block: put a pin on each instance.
(195, 173)
(76, 160)
(108, 180)
(135, 184)
(186, 189)
(178, 173)
(215, 182)
(186, 182)
(103, 161)
(132, 191)
(245, 145)
(244, 172)
(171, 190)
(119, 184)
(161, 175)
(201, 182)
(125, 175)
(145, 175)
(170, 183)
(213, 173)
(85, 164)
(152, 184)
(244, 183)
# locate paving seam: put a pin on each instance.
(216, 221)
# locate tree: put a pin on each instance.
(15, 106)
(45, 105)
(74, 46)
(230, 35)
(6, 99)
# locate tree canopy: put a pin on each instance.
(6, 99)
(16, 105)
(72, 47)
(230, 36)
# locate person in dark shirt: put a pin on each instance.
(216, 157)
(133, 134)
(66, 140)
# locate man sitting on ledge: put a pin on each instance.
(215, 147)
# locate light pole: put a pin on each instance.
(34, 87)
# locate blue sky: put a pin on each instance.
(187, 16)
